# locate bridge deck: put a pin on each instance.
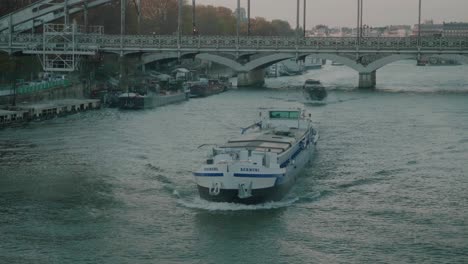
(144, 43)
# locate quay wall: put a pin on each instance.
(75, 91)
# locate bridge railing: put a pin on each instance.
(170, 42)
(283, 43)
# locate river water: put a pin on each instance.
(388, 185)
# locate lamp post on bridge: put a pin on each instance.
(194, 22)
(139, 17)
(359, 22)
(361, 26)
(248, 17)
(238, 23)
(123, 11)
(65, 11)
(419, 25)
(179, 22)
(85, 15)
(297, 19)
(305, 13)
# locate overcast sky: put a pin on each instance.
(343, 12)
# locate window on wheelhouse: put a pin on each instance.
(284, 114)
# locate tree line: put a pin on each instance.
(160, 17)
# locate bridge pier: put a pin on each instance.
(367, 80)
(123, 73)
(252, 78)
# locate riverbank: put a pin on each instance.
(26, 112)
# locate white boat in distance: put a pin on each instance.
(263, 163)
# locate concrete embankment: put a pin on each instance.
(43, 101)
(25, 112)
(72, 90)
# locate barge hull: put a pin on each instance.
(259, 196)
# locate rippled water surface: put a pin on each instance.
(388, 185)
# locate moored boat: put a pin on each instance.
(206, 87)
(263, 163)
(150, 100)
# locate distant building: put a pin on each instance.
(366, 31)
(321, 31)
(455, 29)
(309, 33)
(243, 14)
(397, 31)
(428, 28)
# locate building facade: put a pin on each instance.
(454, 29)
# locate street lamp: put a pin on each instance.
(419, 23)
(358, 20)
(248, 17)
(194, 22)
(305, 13)
(297, 18)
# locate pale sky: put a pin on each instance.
(344, 12)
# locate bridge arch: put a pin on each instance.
(232, 64)
(397, 57)
(387, 60)
(338, 58)
(267, 60)
(152, 57)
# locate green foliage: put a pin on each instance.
(160, 17)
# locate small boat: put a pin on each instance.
(263, 163)
(314, 90)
